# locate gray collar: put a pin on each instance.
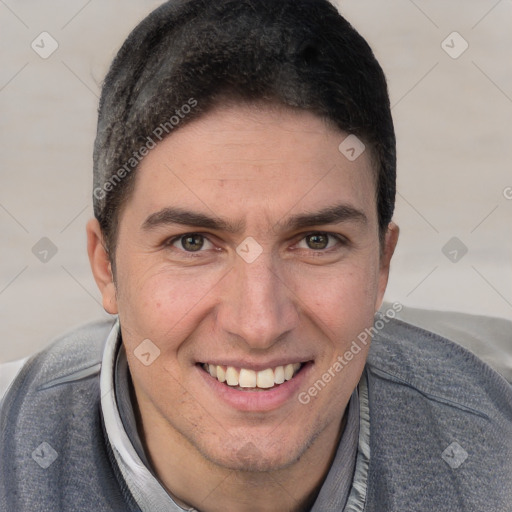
(146, 490)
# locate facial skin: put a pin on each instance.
(304, 299)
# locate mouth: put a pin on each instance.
(246, 379)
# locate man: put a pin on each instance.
(244, 183)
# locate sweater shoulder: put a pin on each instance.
(72, 354)
(74, 357)
(51, 431)
(438, 368)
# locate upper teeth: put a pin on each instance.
(250, 378)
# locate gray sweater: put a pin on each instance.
(435, 431)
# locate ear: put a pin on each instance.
(101, 266)
(390, 241)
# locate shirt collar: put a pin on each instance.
(146, 490)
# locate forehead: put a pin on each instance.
(243, 160)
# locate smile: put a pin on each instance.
(247, 379)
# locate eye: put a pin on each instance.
(191, 242)
(319, 241)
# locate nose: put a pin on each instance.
(258, 306)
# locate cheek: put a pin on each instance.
(164, 305)
(341, 298)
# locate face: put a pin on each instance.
(249, 256)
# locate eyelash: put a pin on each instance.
(341, 242)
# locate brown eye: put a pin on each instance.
(317, 241)
(192, 243)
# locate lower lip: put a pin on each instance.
(257, 401)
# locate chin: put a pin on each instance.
(250, 460)
(257, 456)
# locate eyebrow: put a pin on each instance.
(331, 215)
(189, 218)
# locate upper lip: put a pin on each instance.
(254, 365)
